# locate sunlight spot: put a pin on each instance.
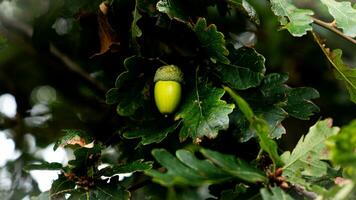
(7, 148)
(8, 105)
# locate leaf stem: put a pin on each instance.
(331, 27)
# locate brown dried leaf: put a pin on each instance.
(109, 40)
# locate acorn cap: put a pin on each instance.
(169, 73)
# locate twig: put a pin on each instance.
(302, 191)
(74, 67)
(332, 28)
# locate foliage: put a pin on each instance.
(224, 138)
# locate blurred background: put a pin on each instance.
(46, 88)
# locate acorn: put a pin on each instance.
(168, 90)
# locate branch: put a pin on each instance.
(68, 62)
(74, 67)
(331, 27)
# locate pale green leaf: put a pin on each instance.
(275, 194)
(296, 21)
(344, 15)
(306, 157)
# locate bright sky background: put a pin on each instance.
(8, 152)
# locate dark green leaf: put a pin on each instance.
(276, 194)
(235, 166)
(173, 9)
(204, 113)
(299, 104)
(44, 166)
(73, 137)
(112, 96)
(60, 187)
(212, 41)
(135, 166)
(151, 135)
(186, 169)
(102, 191)
(135, 30)
(244, 7)
(296, 21)
(259, 125)
(344, 15)
(306, 157)
(129, 100)
(246, 69)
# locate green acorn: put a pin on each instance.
(168, 88)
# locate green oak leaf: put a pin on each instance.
(342, 148)
(296, 21)
(276, 194)
(244, 7)
(186, 169)
(128, 101)
(173, 9)
(151, 135)
(204, 113)
(59, 186)
(43, 166)
(342, 72)
(299, 104)
(246, 69)
(235, 166)
(103, 190)
(135, 166)
(344, 15)
(259, 125)
(211, 40)
(305, 159)
(135, 30)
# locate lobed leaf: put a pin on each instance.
(305, 159)
(259, 125)
(342, 148)
(244, 7)
(203, 113)
(344, 15)
(276, 194)
(342, 72)
(186, 169)
(135, 166)
(172, 9)
(246, 69)
(212, 41)
(296, 21)
(150, 135)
